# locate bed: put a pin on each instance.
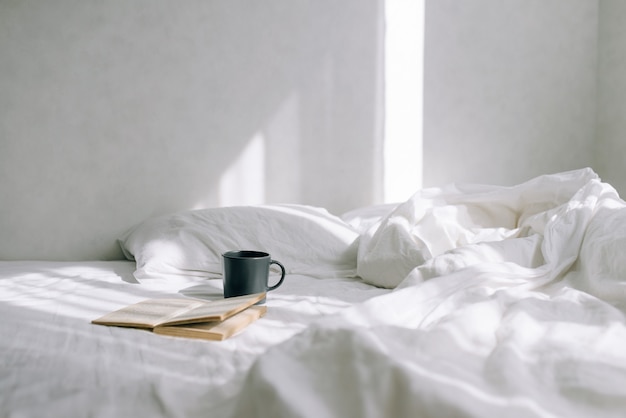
(465, 300)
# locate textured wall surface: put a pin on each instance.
(510, 89)
(114, 111)
(610, 147)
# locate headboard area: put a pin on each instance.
(113, 112)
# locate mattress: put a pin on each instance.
(464, 300)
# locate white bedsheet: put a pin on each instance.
(505, 302)
(55, 363)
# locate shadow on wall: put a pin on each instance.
(116, 111)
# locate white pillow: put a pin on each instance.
(305, 239)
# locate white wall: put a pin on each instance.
(111, 112)
(510, 89)
(610, 147)
(114, 111)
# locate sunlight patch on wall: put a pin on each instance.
(404, 62)
(243, 182)
(283, 146)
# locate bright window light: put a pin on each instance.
(404, 58)
(243, 183)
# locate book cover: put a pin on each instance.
(216, 330)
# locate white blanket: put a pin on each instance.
(508, 305)
(486, 223)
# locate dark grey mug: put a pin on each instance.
(247, 272)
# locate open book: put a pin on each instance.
(214, 320)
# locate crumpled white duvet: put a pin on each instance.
(440, 230)
(508, 301)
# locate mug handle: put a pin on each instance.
(282, 276)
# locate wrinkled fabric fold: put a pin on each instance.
(553, 208)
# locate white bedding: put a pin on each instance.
(501, 301)
(54, 363)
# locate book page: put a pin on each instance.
(148, 313)
(215, 310)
